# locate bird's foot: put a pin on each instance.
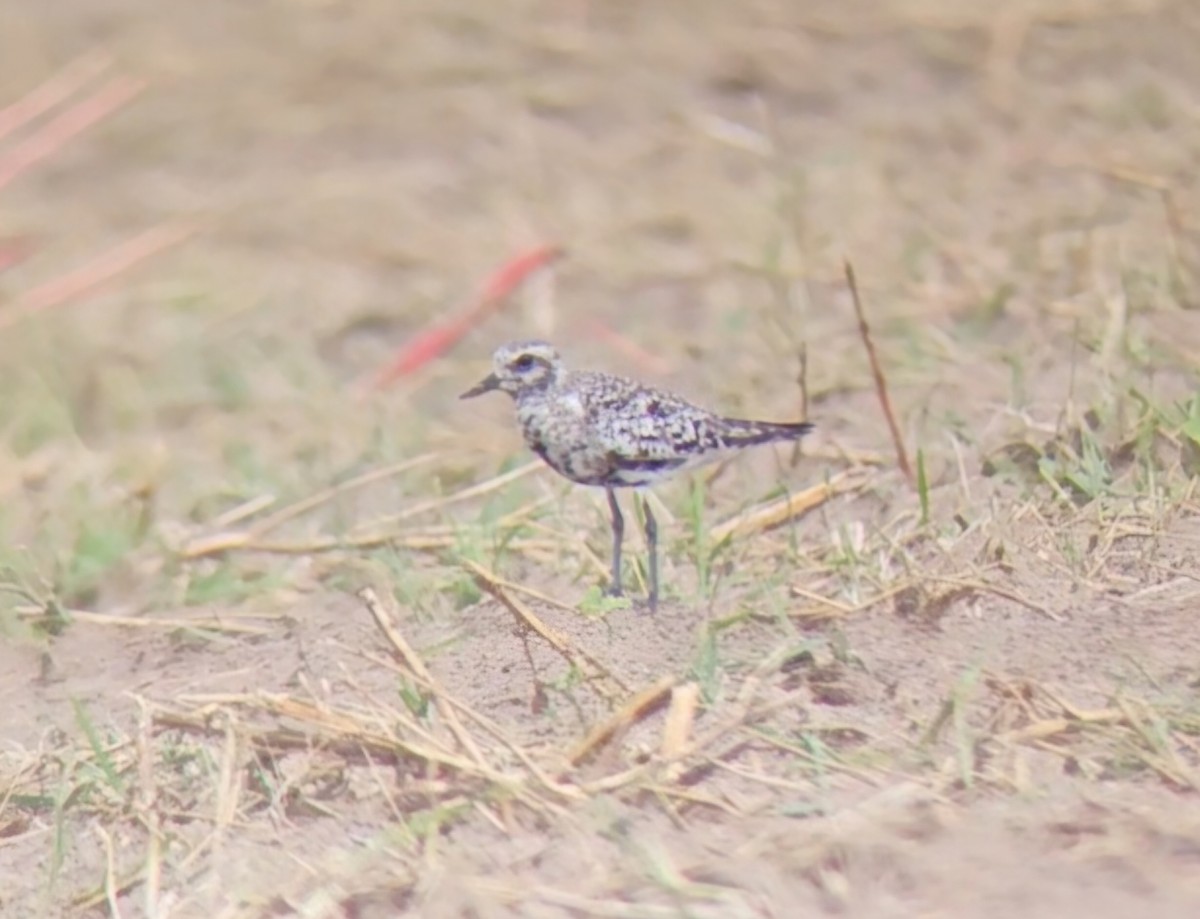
(614, 590)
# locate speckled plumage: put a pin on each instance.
(609, 431)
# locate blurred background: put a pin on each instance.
(219, 220)
(348, 171)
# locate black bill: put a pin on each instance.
(487, 384)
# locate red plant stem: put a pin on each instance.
(881, 389)
(59, 87)
(51, 136)
(86, 279)
(440, 337)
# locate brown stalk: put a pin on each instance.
(681, 718)
(147, 806)
(341, 731)
(645, 703)
(312, 502)
(474, 491)
(220, 543)
(527, 619)
(789, 507)
(490, 727)
(216, 543)
(384, 619)
(35, 613)
(986, 587)
(881, 390)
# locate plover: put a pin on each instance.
(611, 432)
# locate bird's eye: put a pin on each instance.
(524, 362)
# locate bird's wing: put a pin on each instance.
(643, 429)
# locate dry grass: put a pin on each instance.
(276, 647)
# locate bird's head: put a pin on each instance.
(519, 367)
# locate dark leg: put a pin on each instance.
(618, 534)
(652, 547)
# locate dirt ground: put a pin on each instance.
(971, 693)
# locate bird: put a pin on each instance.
(602, 430)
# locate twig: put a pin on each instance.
(558, 788)
(146, 805)
(467, 494)
(134, 622)
(744, 713)
(850, 455)
(681, 717)
(341, 730)
(831, 609)
(228, 787)
(218, 543)
(412, 660)
(243, 511)
(526, 619)
(825, 761)
(531, 592)
(693, 797)
(843, 609)
(1161, 756)
(303, 506)
(881, 390)
(985, 587)
(790, 506)
(643, 704)
(110, 872)
(1051, 727)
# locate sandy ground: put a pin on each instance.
(986, 714)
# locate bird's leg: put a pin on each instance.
(652, 548)
(618, 534)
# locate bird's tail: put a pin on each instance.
(742, 433)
